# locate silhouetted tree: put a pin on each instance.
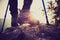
(56, 11)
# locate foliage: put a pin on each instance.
(56, 11)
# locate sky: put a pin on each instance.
(36, 10)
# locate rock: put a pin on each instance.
(13, 33)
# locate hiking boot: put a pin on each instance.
(14, 22)
(24, 15)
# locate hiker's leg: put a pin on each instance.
(25, 12)
(27, 4)
(14, 12)
(14, 19)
